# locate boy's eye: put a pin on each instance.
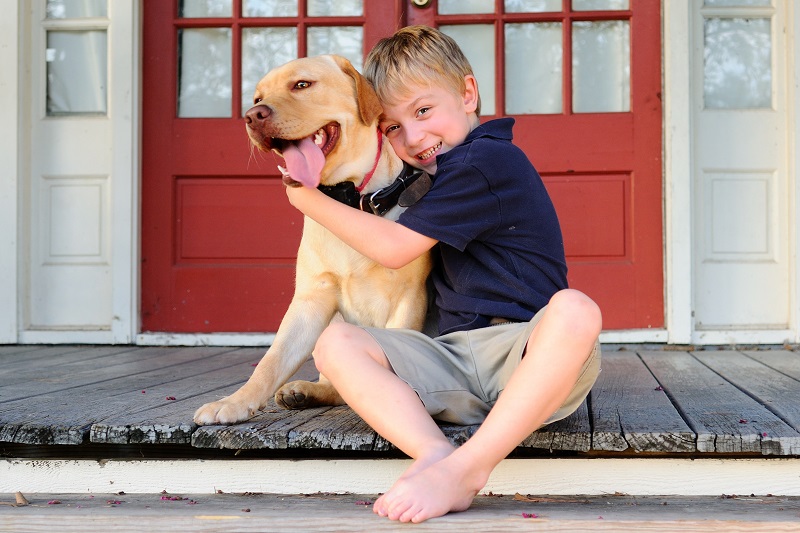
(387, 130)
(423, 110)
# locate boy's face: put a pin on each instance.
(429, 122)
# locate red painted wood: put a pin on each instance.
(218, 237)
(603, 170)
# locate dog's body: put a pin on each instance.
(324, 101)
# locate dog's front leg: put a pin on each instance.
(302, 325)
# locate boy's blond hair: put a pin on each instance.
(416, 56)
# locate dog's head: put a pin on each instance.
(320, 115)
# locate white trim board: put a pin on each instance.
(10, 95)
(661, 477)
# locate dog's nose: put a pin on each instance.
(257, 114)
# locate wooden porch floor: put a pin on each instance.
(132, 403)
(707, 403)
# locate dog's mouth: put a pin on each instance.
(305, 157)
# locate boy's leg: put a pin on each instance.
(355, 364)
(556, 351)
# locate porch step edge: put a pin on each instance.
(635, 476)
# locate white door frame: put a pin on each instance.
(19, 27)
(10, 171)
(677, 171)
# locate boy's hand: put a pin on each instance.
(297, 194)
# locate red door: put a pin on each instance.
(219, 238)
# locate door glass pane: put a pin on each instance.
(741, 3)
(531, 6)
(737, 71)
(601, 66)
(345, 41)
(204, 76)
(456, 7)
(262, 50)
(477, 43)
(340, 8)
(77, 70)
(269, 8)
(599, 5)
(205, 8)
(533, 80)
(68, 9)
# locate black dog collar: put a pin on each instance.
(381, 201)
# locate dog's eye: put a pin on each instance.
(302, 84)
(257, 101)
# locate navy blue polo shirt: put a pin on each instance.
(500, 250)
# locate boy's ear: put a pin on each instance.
(369, 107)
(470, 93)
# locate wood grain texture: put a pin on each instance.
(631, 410)
(353, 512)
(718, 411)
(652, 402)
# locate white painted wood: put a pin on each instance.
(81, 206)
(741, 216)
(677, 172)
(10, 65)
(793, 47)
(205, 339)
(635, 336)
(779, 477)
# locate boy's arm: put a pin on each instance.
(386, 242)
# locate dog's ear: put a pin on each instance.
(369, 107)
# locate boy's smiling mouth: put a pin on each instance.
(427, 154)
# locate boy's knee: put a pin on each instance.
(331, 340)
(578, 310)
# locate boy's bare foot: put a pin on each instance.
(447, 485)
(417, 466)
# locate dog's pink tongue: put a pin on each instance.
(304, 161)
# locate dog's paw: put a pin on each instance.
(222, 412)
(293, 395)
(305, 394)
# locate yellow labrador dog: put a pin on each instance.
(320, 115)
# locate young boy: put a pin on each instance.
(507, 321)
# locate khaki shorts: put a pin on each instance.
(459, 376)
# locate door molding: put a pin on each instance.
(11, 64)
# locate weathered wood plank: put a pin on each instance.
(269, 429)
(9, 352)
(338, 428)
(163, 420)
(777, 392)
(16, 360)
(234, 513)
(713, 407)
(65, 416)
(783, 361)
(573, 433)
(80, 371)
(631, 410)
(24, 368)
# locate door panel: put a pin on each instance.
(588, 114)
(219, 239)
(741, 183)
